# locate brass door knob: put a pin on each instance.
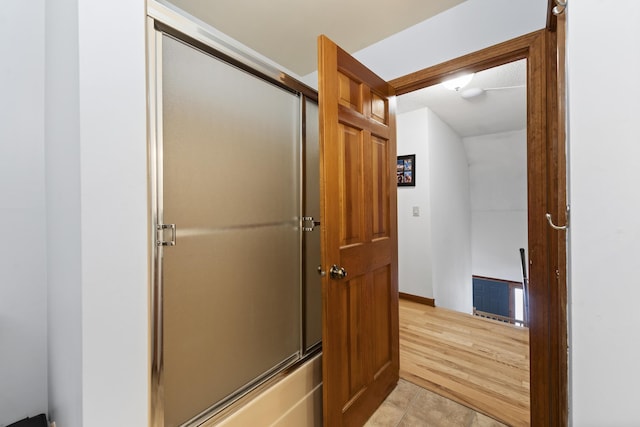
(337, 273)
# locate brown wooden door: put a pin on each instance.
(359, 234)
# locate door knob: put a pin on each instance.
(337, 273)
(321, 272)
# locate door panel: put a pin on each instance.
(358, 195)
(382, 344)
(355, 299)
(351, 191)
(380, 187)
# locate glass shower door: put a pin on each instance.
(312, 280)
(230, 182)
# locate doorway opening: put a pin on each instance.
(462, 223)
(544, 192)
(460, 229)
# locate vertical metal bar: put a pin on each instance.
(303, 204)
(154, 91)
(525, 288)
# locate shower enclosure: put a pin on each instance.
(235, 205)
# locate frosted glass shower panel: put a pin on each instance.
(231, 184)
(312, 283)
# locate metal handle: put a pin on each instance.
(558, 227)
(337, 273)
(309, 220)
(321, 272)
(555, 227)
(560, 6)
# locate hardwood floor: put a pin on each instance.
(480, 363)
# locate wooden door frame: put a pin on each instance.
(546, 193)
(558, 208)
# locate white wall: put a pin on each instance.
(415, 275)
(450, 217)
(97, 213)
(113, 156)
(23, 309)
(604, 150)
(434, 249)
(498, 179)
(497, 191)
(63, 213)
(466, 28)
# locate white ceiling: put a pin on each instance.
(501, 107)
(285, 31)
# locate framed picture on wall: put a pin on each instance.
(406, 170)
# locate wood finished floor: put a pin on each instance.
(482, 364)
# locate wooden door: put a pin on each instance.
(359, 237)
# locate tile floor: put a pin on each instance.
(411, 406)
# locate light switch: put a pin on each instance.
(416, 211)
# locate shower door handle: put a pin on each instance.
(160, 240)
(337, 273)
(309, 223)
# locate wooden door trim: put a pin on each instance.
(416, 298)
(509, 51)
(546, 193)
(556, 102)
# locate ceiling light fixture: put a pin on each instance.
(473, 92)
(458, 83)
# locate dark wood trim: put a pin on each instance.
(539, 304)
(490, 57)
(545, 158)
(552, 19)
(415, 298)
(556, 109)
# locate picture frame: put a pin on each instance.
(406, 170)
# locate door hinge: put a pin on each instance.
(309, 224)
(160, 229)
